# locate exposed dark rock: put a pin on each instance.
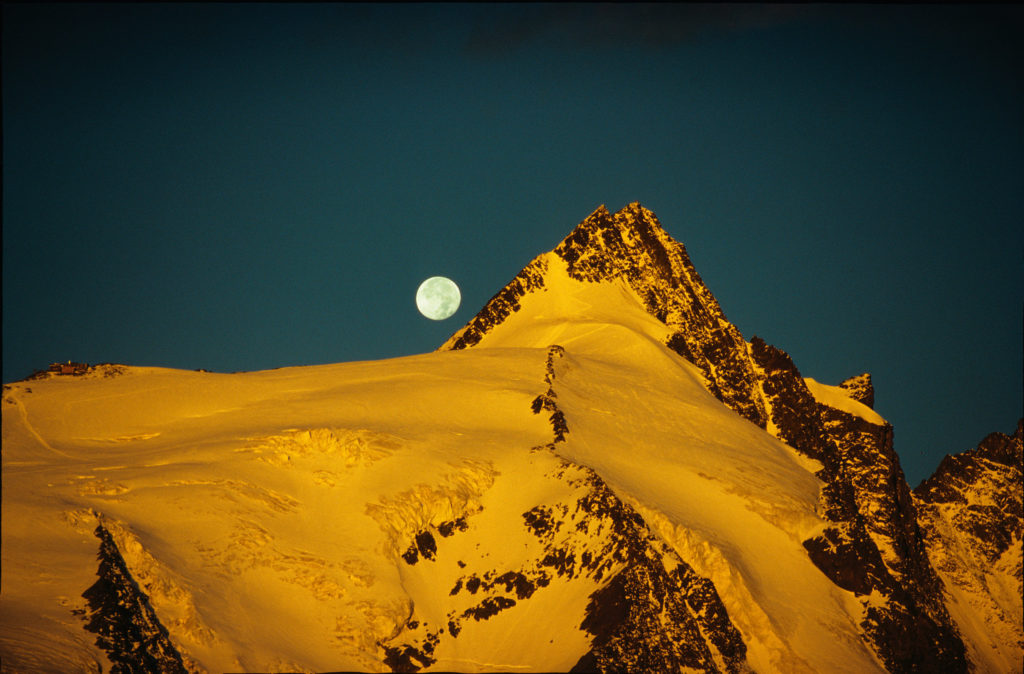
(709, 611)
(489, 607)
(561, 561)
(126, 626)
(860, 389)
(401, 659)
(608, 608)
(631, 245)
(504, 303)
(447, 529)
(546, 400)
(559, 424)
(882, 496)
(846, 561)
(646, 619)
(543, 402)
(958, 475)
(423, 545)
(555, 351)
(866, 496)
(652, 612)
(514, 579)
(794, 410)
(426, 545)
(541, 522)
(911, 640)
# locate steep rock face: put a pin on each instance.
(912, 629)
(632, 245)
(656, 613)
(880, 491)
(874, 548)
(861, 389)
(125, 625)
(971, 511)
(962, 478)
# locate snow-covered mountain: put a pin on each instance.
(597, 473)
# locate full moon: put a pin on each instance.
(438, 298)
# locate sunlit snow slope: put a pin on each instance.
(265, 514)
(610, 479)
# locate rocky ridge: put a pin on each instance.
(120, 615)
(971, 512)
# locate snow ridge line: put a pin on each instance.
(547, 400)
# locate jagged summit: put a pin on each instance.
(630, 243)
(628, 250)
(957, 471)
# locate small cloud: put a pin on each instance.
(615, 24)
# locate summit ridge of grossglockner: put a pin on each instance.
(632, 247)
(874, 546)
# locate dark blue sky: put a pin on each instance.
(242, 187)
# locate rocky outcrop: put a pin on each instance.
(126, 626)
(860, 389)
(651, 612)
(547, 401)
(655, 614)
(632, 246)
(982, 472)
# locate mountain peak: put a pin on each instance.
(631, 248)
(607, 245)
